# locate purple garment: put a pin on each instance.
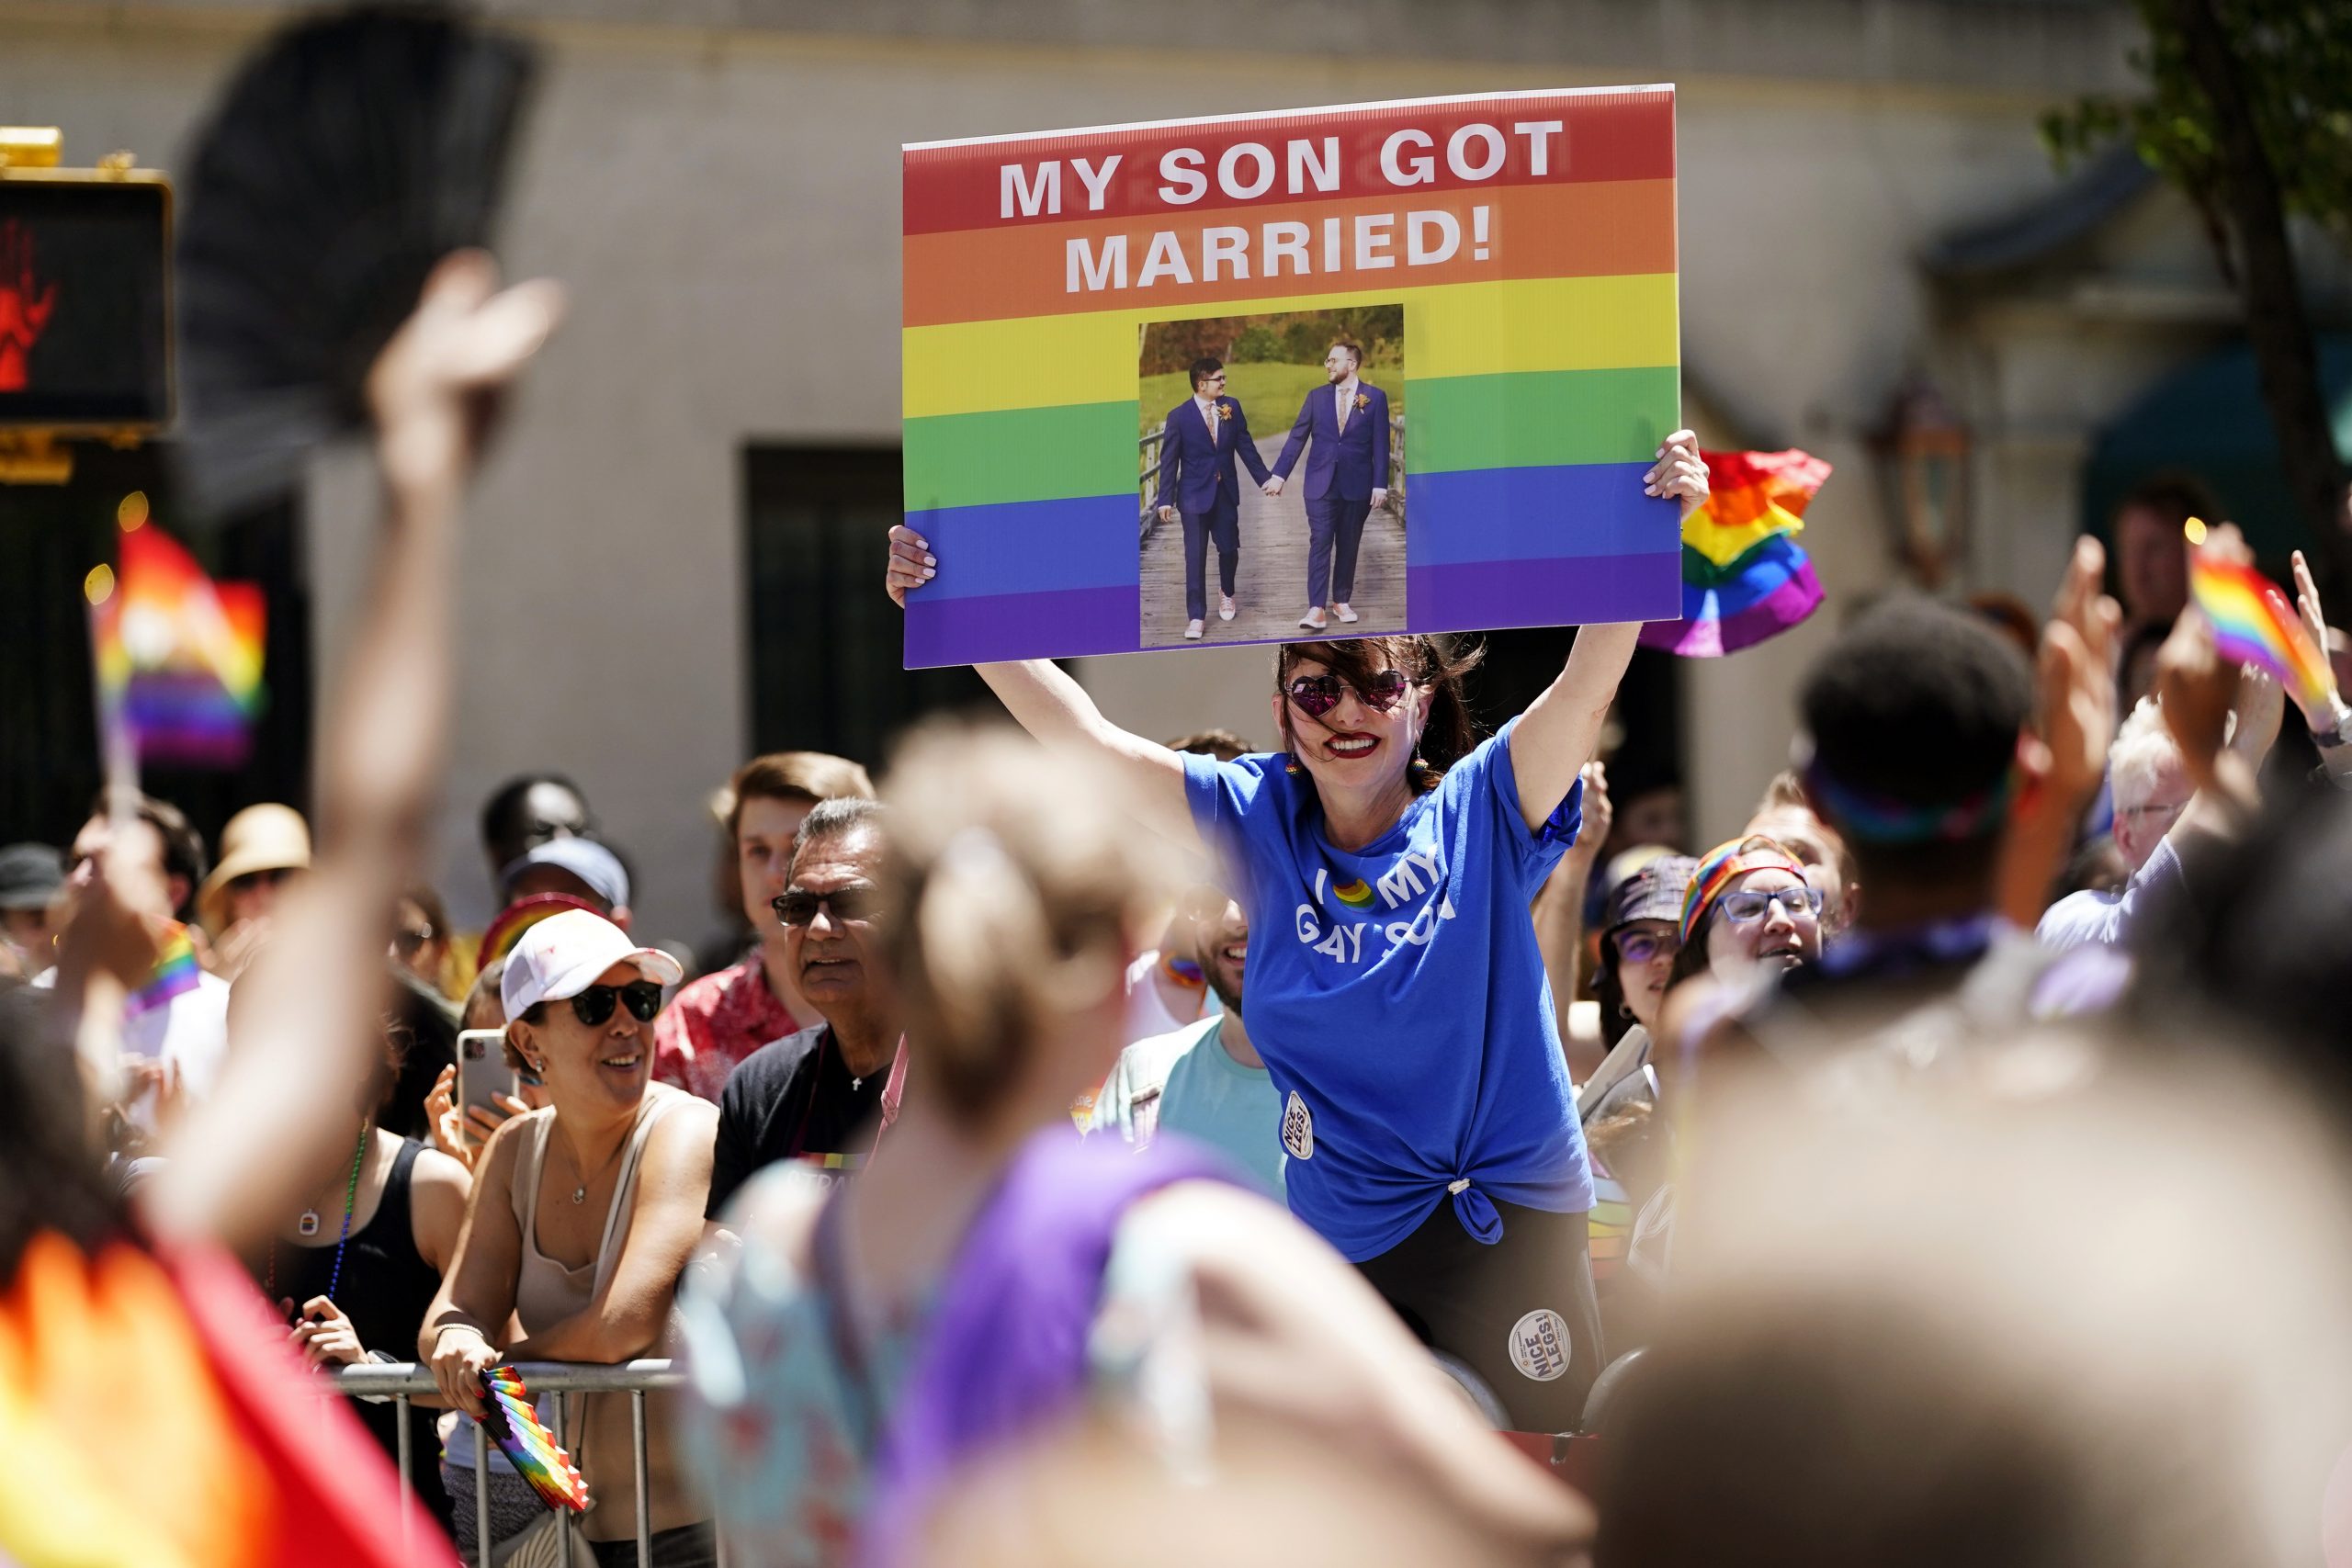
(1006, 1347)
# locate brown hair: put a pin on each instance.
(1016, 881)
(2174, 496)
(183, 845)
(1222, 744)
(812, 776)
(1355, 349)
(1690, 958)
(1437, 664)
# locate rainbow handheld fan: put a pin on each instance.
(513, 1424)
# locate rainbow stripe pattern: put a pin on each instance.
(175, 974)
(1542, 356)
(180, 656)
(2253, 624)
(1745, 578)
(537, 1458)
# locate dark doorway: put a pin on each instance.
(826, 642)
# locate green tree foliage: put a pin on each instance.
(1298, 337)
(2295, 58)
(2249, 110)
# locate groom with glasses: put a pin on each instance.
(1199, 440)
(825, 1095)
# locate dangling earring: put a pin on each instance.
(1418, 772)
(1293, 766)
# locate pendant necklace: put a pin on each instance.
(308, 1224)
(579, 1193)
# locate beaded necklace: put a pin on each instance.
(350, 1202)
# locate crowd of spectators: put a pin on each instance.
(1839, 1176)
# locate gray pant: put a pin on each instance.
(1333, 521)
(1199, 527)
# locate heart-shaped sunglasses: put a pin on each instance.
(1319, 695)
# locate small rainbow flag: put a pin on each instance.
(1745, 578)
(2253, 624)
(174, 974)
(529, 1447)
(180, 656)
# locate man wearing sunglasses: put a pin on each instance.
(1199, 440)
(826, 1094)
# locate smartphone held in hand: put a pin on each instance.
(483, 1077)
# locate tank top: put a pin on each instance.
(596, 1425)
(386, 1291)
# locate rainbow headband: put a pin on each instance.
(1879, 819)
(1725, 863)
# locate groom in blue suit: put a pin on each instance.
(1347, 475)
(1201, 436)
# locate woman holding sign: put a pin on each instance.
(1396, 989)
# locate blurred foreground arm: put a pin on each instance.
(308, 1013)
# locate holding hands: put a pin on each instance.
(1272, 486)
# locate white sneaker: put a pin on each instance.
(1312, 623)
(1345, 613)
(1225, 608)
(1193, 630)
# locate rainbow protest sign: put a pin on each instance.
(1522, 245)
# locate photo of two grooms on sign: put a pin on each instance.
(1315, 538)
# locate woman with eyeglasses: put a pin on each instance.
(583, 1214)
(1387, 861)
(1749, 909)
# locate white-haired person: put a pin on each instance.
(583, 1214)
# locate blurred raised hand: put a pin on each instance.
(2064, 759)
(306, 1029)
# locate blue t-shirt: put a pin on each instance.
(1398, 998)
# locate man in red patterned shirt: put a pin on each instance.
(724, 1017)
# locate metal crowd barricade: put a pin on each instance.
(400, 1381)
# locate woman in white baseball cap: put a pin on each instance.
(583, 1214)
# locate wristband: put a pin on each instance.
(467, 1327)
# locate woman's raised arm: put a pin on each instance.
(1055, 709)
(1556, 734)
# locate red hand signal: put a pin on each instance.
(25, 306)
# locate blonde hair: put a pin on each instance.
(1017, 883)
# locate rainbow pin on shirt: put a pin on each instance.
(2253, 624)
(513, 1424)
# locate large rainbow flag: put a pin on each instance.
(1529, 238)
(180, 656)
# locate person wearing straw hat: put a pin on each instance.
(261, 848)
